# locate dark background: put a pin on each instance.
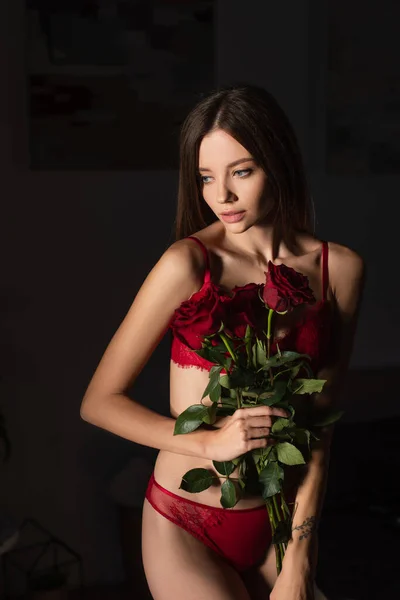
(75, 248)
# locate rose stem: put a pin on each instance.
(239, 398)
(273, 527)
(276, 507)
(280, 517)
(269, 335)
(270, 315)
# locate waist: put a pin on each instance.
(170, 468)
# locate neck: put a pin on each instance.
(262, 242)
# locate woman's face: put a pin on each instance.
(233, 185)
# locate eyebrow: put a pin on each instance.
(232, 164)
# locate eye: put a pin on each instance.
(241, 174)
(203, 177)
(245, 171)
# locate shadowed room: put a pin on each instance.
(94, 95)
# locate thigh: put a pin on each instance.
(177, 565)
(260, 580)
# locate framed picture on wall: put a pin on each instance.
(110, 81)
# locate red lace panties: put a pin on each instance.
(241, 536)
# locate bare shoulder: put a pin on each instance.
(184, 257)
(174, 278)
(346, 277)
(345, 262)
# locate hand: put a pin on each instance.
(290, 586)
(247, 429)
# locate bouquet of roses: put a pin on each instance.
(246, 373)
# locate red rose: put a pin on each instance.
(286, 288)
(199, 316)
(245, 308)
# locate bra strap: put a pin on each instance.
(207, 274)
(325, 271)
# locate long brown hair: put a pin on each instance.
(253, 117)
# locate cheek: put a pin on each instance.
(259, 197)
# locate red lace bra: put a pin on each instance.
(309, 335)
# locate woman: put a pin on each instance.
(243, 199)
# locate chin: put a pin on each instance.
(239, 227)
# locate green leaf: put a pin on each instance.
(263, 455)
(308, 386)
(270, 454)
(242, 468)
(210, 415)
(289, 454)
(242, 483)
(286, 406)
(275, 395)
(279, 390)
(268, 401)
(261, 351)
(224, 468)
(284, 358)
(329, 418)
(221, 348)
(229, 399)
(259, 354)
(215, 371)
(214, 381)
(215, 394)
(224, 380)
(196, 480)
(257, 454)
(213, 355)
(281, 423)
(191, 418)
(294, 371)
(270, 479)
(302, 437)
(228, 494)
(257, 392)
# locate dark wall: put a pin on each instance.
(76, 247)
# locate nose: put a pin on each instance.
(223, 193)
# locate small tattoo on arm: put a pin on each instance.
(305, 528)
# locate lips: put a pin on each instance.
(230, 213)
(232, 216)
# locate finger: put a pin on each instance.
(258, 443)
(260, 422)
(261, 411)
(279, 412)
(257, 432)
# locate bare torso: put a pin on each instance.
(187, 384)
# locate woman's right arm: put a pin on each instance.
(175, 277)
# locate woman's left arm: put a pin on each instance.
(347, 276)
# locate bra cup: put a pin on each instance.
(310, 335)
